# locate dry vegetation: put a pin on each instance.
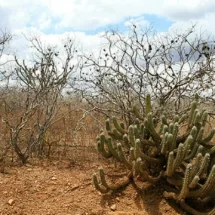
(61, 181)
(52, 110)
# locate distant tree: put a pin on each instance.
(39, 85)
(171, 67)
(5, 38)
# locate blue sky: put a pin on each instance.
(53, 19)
(159, 23)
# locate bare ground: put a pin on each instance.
(65, 188)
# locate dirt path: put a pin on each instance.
(65, 188)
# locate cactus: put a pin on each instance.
(160, 152)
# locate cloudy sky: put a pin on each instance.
(87, 18)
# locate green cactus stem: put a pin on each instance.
(175, 150)
(109, 186)
(137, 113)
(192, 211)
(192, 113)
(97, 186)
(194, 182)
(108, 126)
(206, 188)
(202, 168)
(208, 138)
(122, 157)
(144, 174)
(170, 165)
(131, 135)
(139, 153)
(101, 146)
(148, 106)
(185, 187)
(149, 124)
(112, 149)
(118, 127)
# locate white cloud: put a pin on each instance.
(42, 16)
(139, 22)
(47, 15)
(188, 10)
(76, 14)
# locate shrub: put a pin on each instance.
(174, 152)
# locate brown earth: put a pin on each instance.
(65, 188)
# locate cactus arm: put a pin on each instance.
(131, 135)
(182, 119)
(110, 186)
(171, 126)
(148, 106)
(144, 173)
(185, 187)
(202, 168)
(191, 210)
(209, 137)
(111, 149)
(194, 182)
(118, 126)
(122, 156)
(107, 125)
(179, 156)
(164, 120)
(204, 117)
(126, 141)
(101, 147)
(175, 181)
(200, 135)
(193, 153)
(212, 150)
(137, 113)
(197, 164)
(166, 143)
(192, 113)
(194, 132)
(170, 169)
(149, 122)
(187, 145)
(206, 188)
(174, 133)
(97, 186)
(139, 153)
(131, 154)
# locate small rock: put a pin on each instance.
(117, 199)
(53, 178)
(113, 207)
(11, 201)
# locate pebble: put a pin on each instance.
(11, 201)
(54, 178)
(113, 207)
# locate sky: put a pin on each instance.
(86, 19)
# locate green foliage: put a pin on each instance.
(173, 152)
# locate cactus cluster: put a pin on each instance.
(176, 152)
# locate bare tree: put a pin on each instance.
(171, 67)
(41, 84)
(5, 38)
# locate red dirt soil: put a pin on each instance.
(65, 188)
